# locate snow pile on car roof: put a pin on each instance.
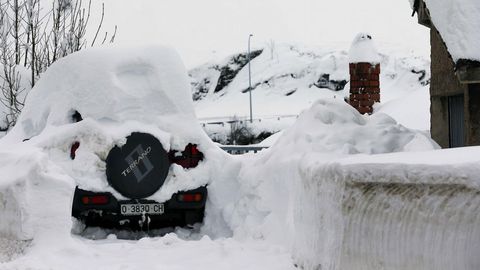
(114, 84)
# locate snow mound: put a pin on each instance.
(363, 50)
(273, 196)
(331, 126)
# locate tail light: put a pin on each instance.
(190, 197)
(193, 149)
(97, 199)
(190, 157)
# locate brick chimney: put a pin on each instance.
(364, 86)
(364, 74)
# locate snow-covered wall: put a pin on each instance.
(390, 211)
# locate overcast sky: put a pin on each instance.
(199, 29)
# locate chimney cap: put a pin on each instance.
(363, 50)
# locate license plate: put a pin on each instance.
(141, 209)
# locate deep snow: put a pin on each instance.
(269, 210)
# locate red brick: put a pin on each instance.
(361, 83)
(354, 77)
(354, 103)
(354, 91)
(372, 90)
(367, 103)
(374, 83)
(359, 96)
(364, 109)
(375, 97)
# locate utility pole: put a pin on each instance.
(250, 79)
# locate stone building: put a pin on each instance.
(455, 68)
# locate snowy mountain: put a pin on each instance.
(287, 79)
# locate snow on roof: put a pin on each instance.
(113, 84)
(458, 22)
(363, 50)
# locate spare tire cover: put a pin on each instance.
(138, 168)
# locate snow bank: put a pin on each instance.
(34, 194)
(363, 50)
(458, 23)
(275, 198)
(355, 208)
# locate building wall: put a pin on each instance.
(444, 83)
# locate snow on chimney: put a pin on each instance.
(364, 74)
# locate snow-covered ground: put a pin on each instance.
(251, 204)
(278, 209)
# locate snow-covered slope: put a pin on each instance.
(287, 79)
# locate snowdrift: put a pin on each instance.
(277, 201)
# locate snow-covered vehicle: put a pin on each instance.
(120, 123)
(137, 170)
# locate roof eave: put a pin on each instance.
(468, 71)
(423, 15)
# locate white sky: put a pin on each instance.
(202, 29)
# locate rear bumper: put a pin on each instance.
(108, 215)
